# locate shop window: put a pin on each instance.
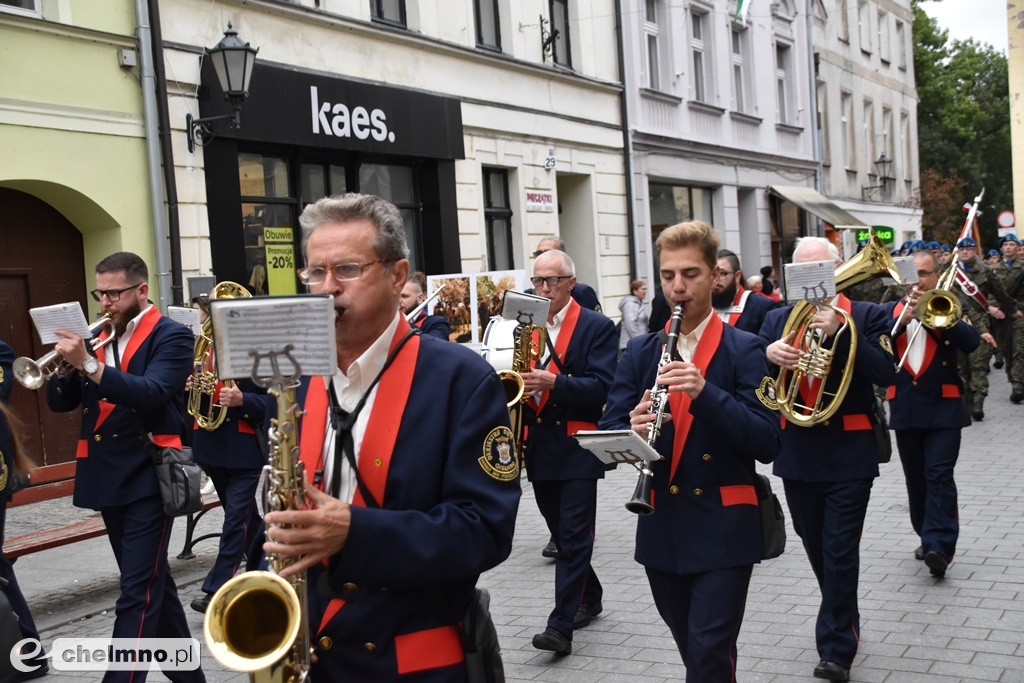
(320, 180)
(397, 184)
(388, 12)
(498, 219)
(488, 27)
(559, 10)
(268, 223)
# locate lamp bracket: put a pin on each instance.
(201, 131)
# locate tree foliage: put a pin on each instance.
(963, 124)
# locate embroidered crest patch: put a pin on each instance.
(885, 343)
(3, 472)
(766, 393)
(499, 457)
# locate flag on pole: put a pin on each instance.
(742, 7)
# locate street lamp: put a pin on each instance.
(883, 166)
(233, 61)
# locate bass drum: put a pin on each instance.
(497, 347)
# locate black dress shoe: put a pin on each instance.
(936, 563)
(41, 670)
(585, 614)
(550, 550)
(201, 603)
(552, 641)
(919, 552)
(831, 671)
(1017, 396)
(998, 364)
(977, 413)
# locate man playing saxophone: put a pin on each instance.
(414, 485)
(703, 489)
(828, 467)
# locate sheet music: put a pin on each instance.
(67, 316)
(811, 281)
(527, 309)
(906, 268)
(616, 446)
(267, 324)
(186, 315)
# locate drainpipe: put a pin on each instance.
(819, 169)
(156, 189)
(627, 141)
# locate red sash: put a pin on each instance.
(901, 346)
(807, 393)
(679, 401)
(564, 335)
(735, 317)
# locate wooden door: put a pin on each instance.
(41, 263)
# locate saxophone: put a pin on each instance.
(258, 622)
(527, 346)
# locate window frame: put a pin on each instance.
(884, 37)
(901, 44)
(785, 104)
(36, 10)
(848, 131)
(864, 25)
(493, 213)
(700, 47)
(868, 123)
(480, 42)
(741, 92)
(652, 32)
(377, 14)
(563, 33)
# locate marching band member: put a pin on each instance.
(828, 468)
(925, 411)
(415, 293)
(6, 375)
(734, 303)
(414, 482)
(703, 489)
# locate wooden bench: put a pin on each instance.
(58, 481)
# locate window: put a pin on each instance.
(907, 148)
(823, 125)
(843, 9)
(651, 30)
(785, 109)
(901, 45)
(884, 39)
(869, 135)
(560, 23)
(849, 138)
(864, 25)
(388, 12)
(498, 220)
(740, 83)
(670, 204)
(888, 141)
(488, 28)
(397, 184)
(698, 25)
(20, 6)
(320, 180)
(268, 223)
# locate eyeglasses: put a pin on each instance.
(341, 272)
(550, 280)
(113, 295)
(725, 273)
(925, 273)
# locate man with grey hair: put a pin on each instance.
(828, 467)
(414, 485)
(567, 391)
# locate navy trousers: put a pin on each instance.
(148, 606)
(704, 612)
(237, 491)
(12, 590)
(929, 457)
(828, 517)
(569, 509)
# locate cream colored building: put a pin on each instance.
(1015, 57)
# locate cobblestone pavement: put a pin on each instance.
(966, 627)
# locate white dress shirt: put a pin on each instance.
(122, 341)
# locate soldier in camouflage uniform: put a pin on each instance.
(1010, 331)
(974, 368)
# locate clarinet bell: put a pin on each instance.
(642, 502)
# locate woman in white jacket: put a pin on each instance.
(634, 315)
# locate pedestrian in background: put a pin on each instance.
(634, 315)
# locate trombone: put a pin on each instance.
(32, 374)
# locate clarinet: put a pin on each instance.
(642, 502)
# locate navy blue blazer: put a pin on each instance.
(114, 467)
(6, 373)
(236, 443)
(6, 461)
(754, 311)
(444, 520)
(931, 400)
(706, 517)
(841, 448)
(434, 325)
(574, 403)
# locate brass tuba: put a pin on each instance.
(527, 346)
(258, 622)
(32, 374)
(201, 394)
(817, 352)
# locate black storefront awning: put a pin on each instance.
(813, 202)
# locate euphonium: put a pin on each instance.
(816, 352)
(32, 374)
(642, 503)
(258, 622)
(527, 346)
(201, 394)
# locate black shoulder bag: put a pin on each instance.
(773, 521)
(178, 475)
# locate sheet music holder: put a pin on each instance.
(525, 309)
(906, 268)
(187, 316)
(616, 446)
(266, 325)
(812, 281)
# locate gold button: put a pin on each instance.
(246, 416)
(706, 457)
(227, 419)
(673, 489)
(85, 411)
(326, 643)
(698, 492)
(370, 647)
(828, 422)
(946, 342)
(350, 586)
(114, 436)
(943, 363)
(558, 423)
(97, 438)
(914, 382)
(538, 420)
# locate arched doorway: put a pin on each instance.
(41, 263)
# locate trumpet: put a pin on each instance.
(642, 502)
(32, 374)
